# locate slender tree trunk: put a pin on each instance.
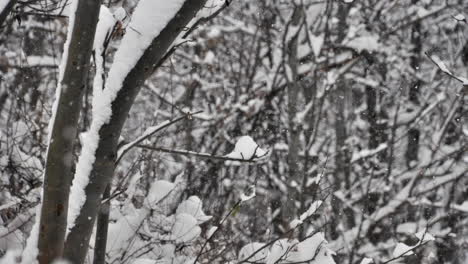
(102, 227)
(76, 245)
(414, 91)
(58, 175)
(342, 155)
(293, 89)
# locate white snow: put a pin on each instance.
(149, 19)
(249, 194)
(369, 43)
(278, 251)
(461, 207)
(193, 206)
(441, 64)
(11, 257)
(44, 61)
(424, 236)
(314, 248)
(149, 131)
(3, 4)
(317, 43)
(295, 223)
(312, 209)
(402, 249)
(367, 152)
(247, 250)
(185, 228)
(299, 118)
(103, 33)
(120, 14)
(460, 17)
(158, 191)
(246, 149)
(211, 231)
(367, 261)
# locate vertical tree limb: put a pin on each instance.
(58, 175)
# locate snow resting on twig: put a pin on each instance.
(247, 149)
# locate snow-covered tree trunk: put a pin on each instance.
(103, 165)
(58, 175)
(5, 8)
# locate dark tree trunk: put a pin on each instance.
(58, 175)
(414, 91)
(102, 228)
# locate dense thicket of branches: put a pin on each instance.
(360, 104)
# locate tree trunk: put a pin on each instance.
(6, 11)
(76, 245)
(414, 91)
(58, 175)
(342, 156)
(293, 89)
(102, 227)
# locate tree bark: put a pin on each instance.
(76, 245)
(102, 228)
(58, 175)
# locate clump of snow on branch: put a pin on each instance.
(248, 194)
(441, 64)
(367, 261)
(149, 19)
(247, 149)
(312, 209)
(460, 17)
(369, 43)
(132, 229)
(401, 249)
(193, 206)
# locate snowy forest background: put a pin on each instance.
(266, 131)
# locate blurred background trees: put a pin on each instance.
(344, 94)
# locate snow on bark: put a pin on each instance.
(31, 250)
(149, 19)
(3, 4)
(104, 30)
